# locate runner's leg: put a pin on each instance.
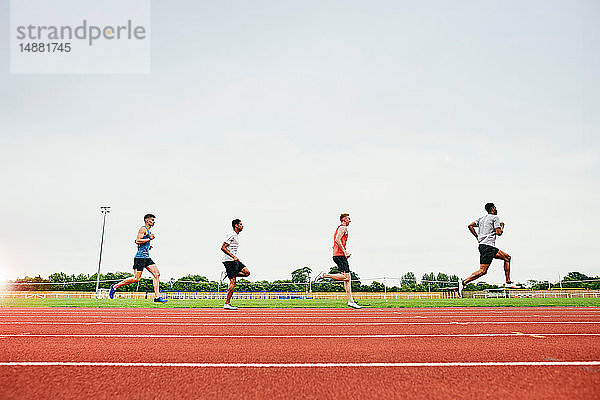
(155, 279)
(133, 279)
(230, 290)
(336, 277)
(483, 268)
(345, 277)
(506, 257)
(348, 286)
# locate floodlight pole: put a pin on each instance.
(104, 210)
(560, 282)
(385, 288)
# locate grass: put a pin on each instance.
(371, 303)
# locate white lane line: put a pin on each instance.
(237, 317)
(121, 323)
(368, 336)
(300, 365)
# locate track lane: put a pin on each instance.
(309, 383)
(305, 350)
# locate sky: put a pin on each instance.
(408, 115)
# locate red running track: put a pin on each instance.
(524, 353)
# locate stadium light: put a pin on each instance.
(104, 210)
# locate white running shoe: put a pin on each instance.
(461, 286)
(511, 285)
(228, 306)
(353, 305)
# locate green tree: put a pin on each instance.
(576, 276)
(579, 281)
(409, 279)
(301, 274)
(430, 282)
(376, 287)
(32, 284)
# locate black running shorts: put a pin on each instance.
(487, 254)
(233, 268)
(140, 263)
(342, 263)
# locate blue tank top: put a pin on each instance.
(144, 248)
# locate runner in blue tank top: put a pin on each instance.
(142, 260)
(144, 248)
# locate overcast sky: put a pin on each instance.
(409, 115)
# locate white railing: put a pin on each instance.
(539, 294)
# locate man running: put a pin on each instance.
(489, 227)
(233, 266)
(340, 257)
(142, 260)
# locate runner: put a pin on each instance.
(233, 266)
(142, 260)
(489, 227)
(340, 257)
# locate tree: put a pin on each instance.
(29, 284)
(576, 276)
(301, 274)
(578, 281)
(376, 287)
(192, 283)
(430, 282)
(409, 279)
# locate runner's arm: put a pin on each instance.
(472, 229)
(140, 237)
(224, 249)
(500, 231)
(338, 240)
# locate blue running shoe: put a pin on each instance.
(160, 300)
(112, 292)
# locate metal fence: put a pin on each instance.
(300, 295)
(543, 294)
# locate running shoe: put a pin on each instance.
(461, 286)
(353, 305)
(511, 285)
(160, 300)
(228, 306)
(112, 292)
